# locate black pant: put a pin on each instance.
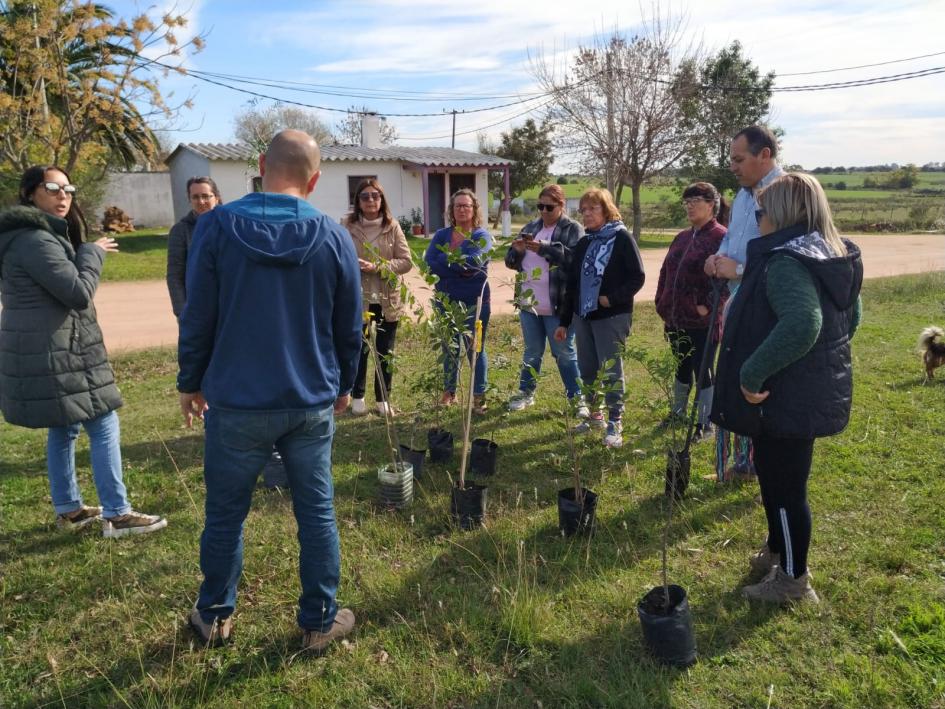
(386, 335)
(783, 467)
(688, 345)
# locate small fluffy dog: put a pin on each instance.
(932, 344)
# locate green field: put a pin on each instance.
(511, 615)
(855, 209)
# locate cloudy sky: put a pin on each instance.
(476, 55)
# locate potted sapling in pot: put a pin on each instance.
(396, 476)
(664, 612)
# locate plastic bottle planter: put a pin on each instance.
(468, 505)
(678, 464)
(440, 442)
(415, 458)
(484, 456)
(396, 487)
(574, 518)
(668, 631)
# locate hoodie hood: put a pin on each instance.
(13, 219)
(274, 229)
(839, 277)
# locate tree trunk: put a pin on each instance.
(637, 209)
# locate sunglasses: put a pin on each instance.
(759, 213)
(369, 196)
(546, 207)
(55, 187)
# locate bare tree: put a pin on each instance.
(616, 107)
(256, 125)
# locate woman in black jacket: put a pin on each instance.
(606, 272)
(785, 374)
(541, 254)
(54, 371)
(203, 194)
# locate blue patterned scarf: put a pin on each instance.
(596, 258)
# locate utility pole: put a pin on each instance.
(453, 142)
(609, 175)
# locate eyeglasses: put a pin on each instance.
(590, 208)
(692, 201)
(369, 196)
(55, 187)
(759, 213)
(549, 207)
(462, 206)
(201, 197)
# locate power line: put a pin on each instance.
(483, 127)
(863, 66)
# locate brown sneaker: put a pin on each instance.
(318, 642)
(211, 634)
(762, 560)
(778, 587)
(78, 519)
(132, 523)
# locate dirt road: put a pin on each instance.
(137, 314)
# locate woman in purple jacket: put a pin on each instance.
(683, 299)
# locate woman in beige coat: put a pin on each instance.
(383, 256)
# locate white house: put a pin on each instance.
(411, 177)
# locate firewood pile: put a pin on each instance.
(115, 220)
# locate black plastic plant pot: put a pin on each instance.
(668, 630)
(574, 517)
(415, 458)
(440, 443)
(468, 505)
(274, 474)
(678, 464)
(484, 456)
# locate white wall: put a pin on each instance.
(143, 196)
(234, 178)
(401, 187)
(186, 164)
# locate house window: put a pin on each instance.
(353, 182)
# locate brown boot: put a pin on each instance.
(762, 560)
(778, 587)
(479, 404)
(318, 642)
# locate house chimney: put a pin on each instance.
(370, 130)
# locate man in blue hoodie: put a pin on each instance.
(269, 344)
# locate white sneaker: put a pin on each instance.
(614, 436)
(521, 401)
(358, 407)
(582, 411)
(383, 408)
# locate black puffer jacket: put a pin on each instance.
(811, 397)
(53, 367)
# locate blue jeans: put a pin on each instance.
(536, 330)
(451, 356)
(238, 445)
(105, 444)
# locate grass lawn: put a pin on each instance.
(511, 615)
(142, 256)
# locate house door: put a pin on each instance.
(436, 190)
(458, 182)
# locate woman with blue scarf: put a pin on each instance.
(606, 272)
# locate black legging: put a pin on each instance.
(386, 335)
(783, 467)
(687, 345)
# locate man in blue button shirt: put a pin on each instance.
(753, 160)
